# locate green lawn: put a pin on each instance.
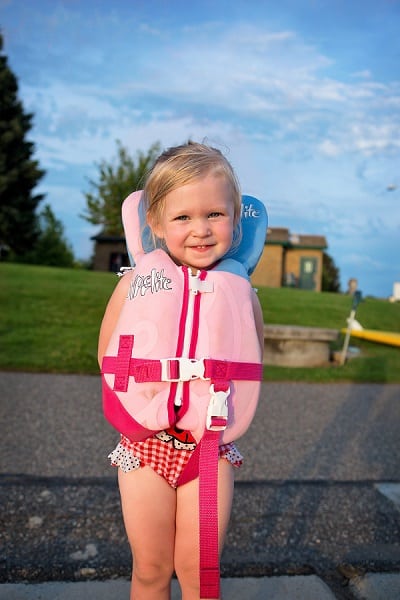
(50, 317)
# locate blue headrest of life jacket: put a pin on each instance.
(254, 224)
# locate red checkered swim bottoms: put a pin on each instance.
(167, 453)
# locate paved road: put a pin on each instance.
(316, 497)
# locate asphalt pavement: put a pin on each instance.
(316, 513)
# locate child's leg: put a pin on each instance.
(149, 507)
(187, 528)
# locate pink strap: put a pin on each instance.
(208, 503)
(144, 370)
(122, 368)
(208, 507)
(226, 370)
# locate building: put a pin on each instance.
(109, 253)
(287, 260)
(291, 260)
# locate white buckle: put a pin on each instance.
(217, 408)
(197, 285)
(189, 368)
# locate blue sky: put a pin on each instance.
(303, 96)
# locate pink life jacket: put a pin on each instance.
(185, 352)
(177, 336)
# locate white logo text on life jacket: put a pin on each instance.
(249, 212)
(154, 282)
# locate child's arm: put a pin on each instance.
(111, 315)
(259, 320)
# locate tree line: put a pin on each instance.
(31, 234)
(27, 234)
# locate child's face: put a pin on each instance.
(197, 222)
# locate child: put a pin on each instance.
(193, 205)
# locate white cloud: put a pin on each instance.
(149, 29)
(271, 82)
(329, 148)
(65, 199)
(88, 148)
(362, 260)
(371, 137)
(61, 105)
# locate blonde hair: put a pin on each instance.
(183, 164)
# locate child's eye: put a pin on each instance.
(182, 218)
(215, 214)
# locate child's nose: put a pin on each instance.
(201, 227)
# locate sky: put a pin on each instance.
(302, 96)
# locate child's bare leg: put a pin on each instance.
(187, 528)
(149, 507)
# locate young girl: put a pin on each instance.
(193, 205)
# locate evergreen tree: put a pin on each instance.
(51, 247)
(330, 275)
(116, 182)
(19, 172)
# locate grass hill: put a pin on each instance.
(50, 317)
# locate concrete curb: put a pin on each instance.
(372, 586)
(307, 587)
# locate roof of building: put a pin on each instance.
(281, 236)
(104, 238)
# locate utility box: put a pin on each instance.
(396, 292)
